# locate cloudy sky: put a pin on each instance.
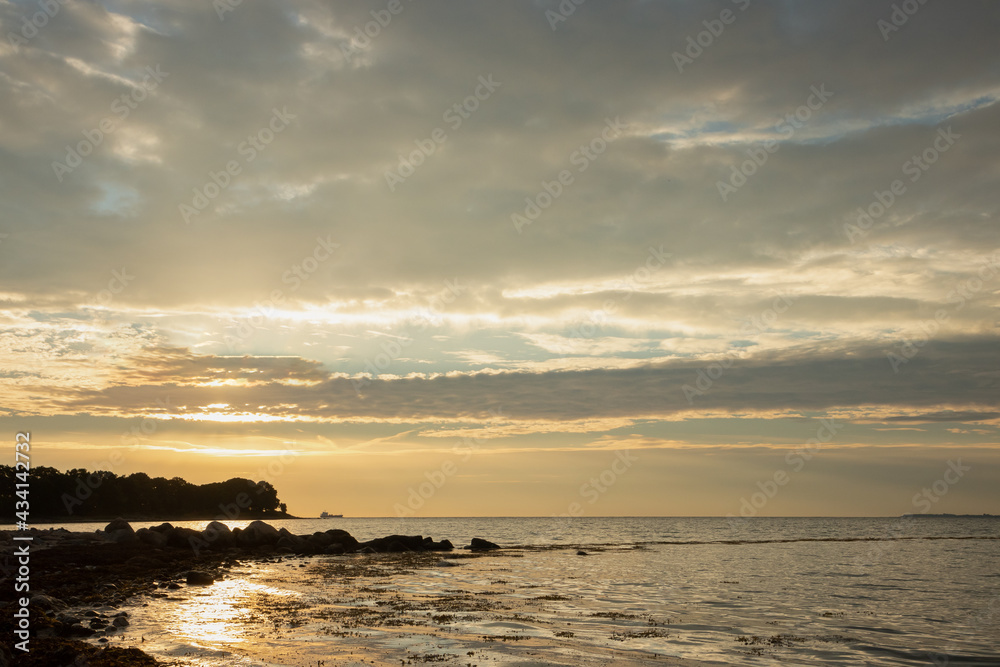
(509, 258)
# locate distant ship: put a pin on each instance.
(327, 515)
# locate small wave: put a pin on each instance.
(790, 540)
(930, 657)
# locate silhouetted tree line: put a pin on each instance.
(80, 493)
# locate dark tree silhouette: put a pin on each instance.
(79, 493)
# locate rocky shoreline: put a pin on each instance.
(79, 580)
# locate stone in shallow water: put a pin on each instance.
(199, 578)
(482, 545)
(77, 630)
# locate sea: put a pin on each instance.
(644, 590)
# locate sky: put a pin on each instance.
(422, 258)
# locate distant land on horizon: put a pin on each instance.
(945, 515)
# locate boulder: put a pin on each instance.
(482, 545)
(162, 528)
(321, 539)
(118, 524)
(343, 538)
(258, 533)
(120, 622)
(443, 545)
(217, 533)
(199, 578)
(395, 543)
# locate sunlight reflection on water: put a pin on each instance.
(220, 613)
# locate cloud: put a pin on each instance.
(303, 277)
(325, 173)
(808, 379)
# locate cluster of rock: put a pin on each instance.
(80, 623)
(218, 535)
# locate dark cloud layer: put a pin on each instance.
(955, 373)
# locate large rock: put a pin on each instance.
(258, 533)
(342, 538)
(217, 534)
(118, 524)
(443, 545)
(482, 545)
(394, 544)
(162, 528)
(319, 541)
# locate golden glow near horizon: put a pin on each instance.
(358, 271)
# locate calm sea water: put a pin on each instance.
(800, 590)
